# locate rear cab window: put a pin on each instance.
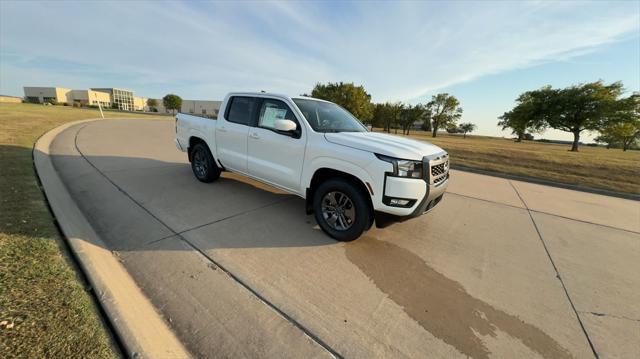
(241, 110)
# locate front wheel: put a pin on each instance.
(203, 165)
(341, 210)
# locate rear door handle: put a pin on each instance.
(254, 135)
(222, 129)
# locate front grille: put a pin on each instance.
(438, 170)
(440, 179)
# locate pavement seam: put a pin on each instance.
(555, 268)
(543, 212)
(598, 314)
(221, 219)
(145, 168)
(235, 278)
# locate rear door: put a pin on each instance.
(232, 131)
(273, 156)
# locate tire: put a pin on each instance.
(347, 223)
(203, 165)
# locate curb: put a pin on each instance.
(138, 325)
(604, 192)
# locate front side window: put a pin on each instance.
(328, 117)
(241, 110)
(273, 110)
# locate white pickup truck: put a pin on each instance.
(317, 150)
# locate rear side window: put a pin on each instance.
(242, 110)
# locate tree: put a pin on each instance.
(622, 127)
(466, 127)
(525, 117)
(387, 115)
(625, 134)
(379, 117)
(444, 111)
(152, 103)
(580, 107)
(410, 115)
(426, 120)
(353, 98)
(172, 102)
(395, 111)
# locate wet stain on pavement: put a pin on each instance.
(441, 305)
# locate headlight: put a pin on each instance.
(403, 168)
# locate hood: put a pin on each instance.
(384, 144)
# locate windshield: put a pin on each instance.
(328, 117)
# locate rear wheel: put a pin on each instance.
(202, 164)
(341, 209)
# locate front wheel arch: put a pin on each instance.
(324, 174)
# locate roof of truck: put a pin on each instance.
(272, 94)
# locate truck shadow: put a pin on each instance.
(133, 201)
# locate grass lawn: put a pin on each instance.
(45, 309)
(594, 167)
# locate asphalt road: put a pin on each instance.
(500, 269)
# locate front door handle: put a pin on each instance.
(254, 135)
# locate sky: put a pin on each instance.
(484, 53)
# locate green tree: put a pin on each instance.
(353, 98)
(395, 111)
(411, 115)
(444, 111)
(526, 117)
(466, 128)
(622, 127)
(377, 119)
(152, 103)
(172, 102)
(625, 134)
(387, 115)
(426, 120)
(577, 108)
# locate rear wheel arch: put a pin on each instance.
(193, 140)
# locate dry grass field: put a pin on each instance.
(45, 310)
(594, 167)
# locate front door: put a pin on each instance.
(273, 156)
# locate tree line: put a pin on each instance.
(595, 107)
(442, 112)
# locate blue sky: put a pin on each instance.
(485, 53)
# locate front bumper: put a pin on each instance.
(423, 194)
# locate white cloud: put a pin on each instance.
(399, 51)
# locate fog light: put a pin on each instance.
(398, 202)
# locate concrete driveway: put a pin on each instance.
(500, 269)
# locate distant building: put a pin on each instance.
(89, 97)
(195, 107)
(106, 97)
(46, 94)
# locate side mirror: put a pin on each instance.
(285, 125)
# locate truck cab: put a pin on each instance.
(317, 150)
